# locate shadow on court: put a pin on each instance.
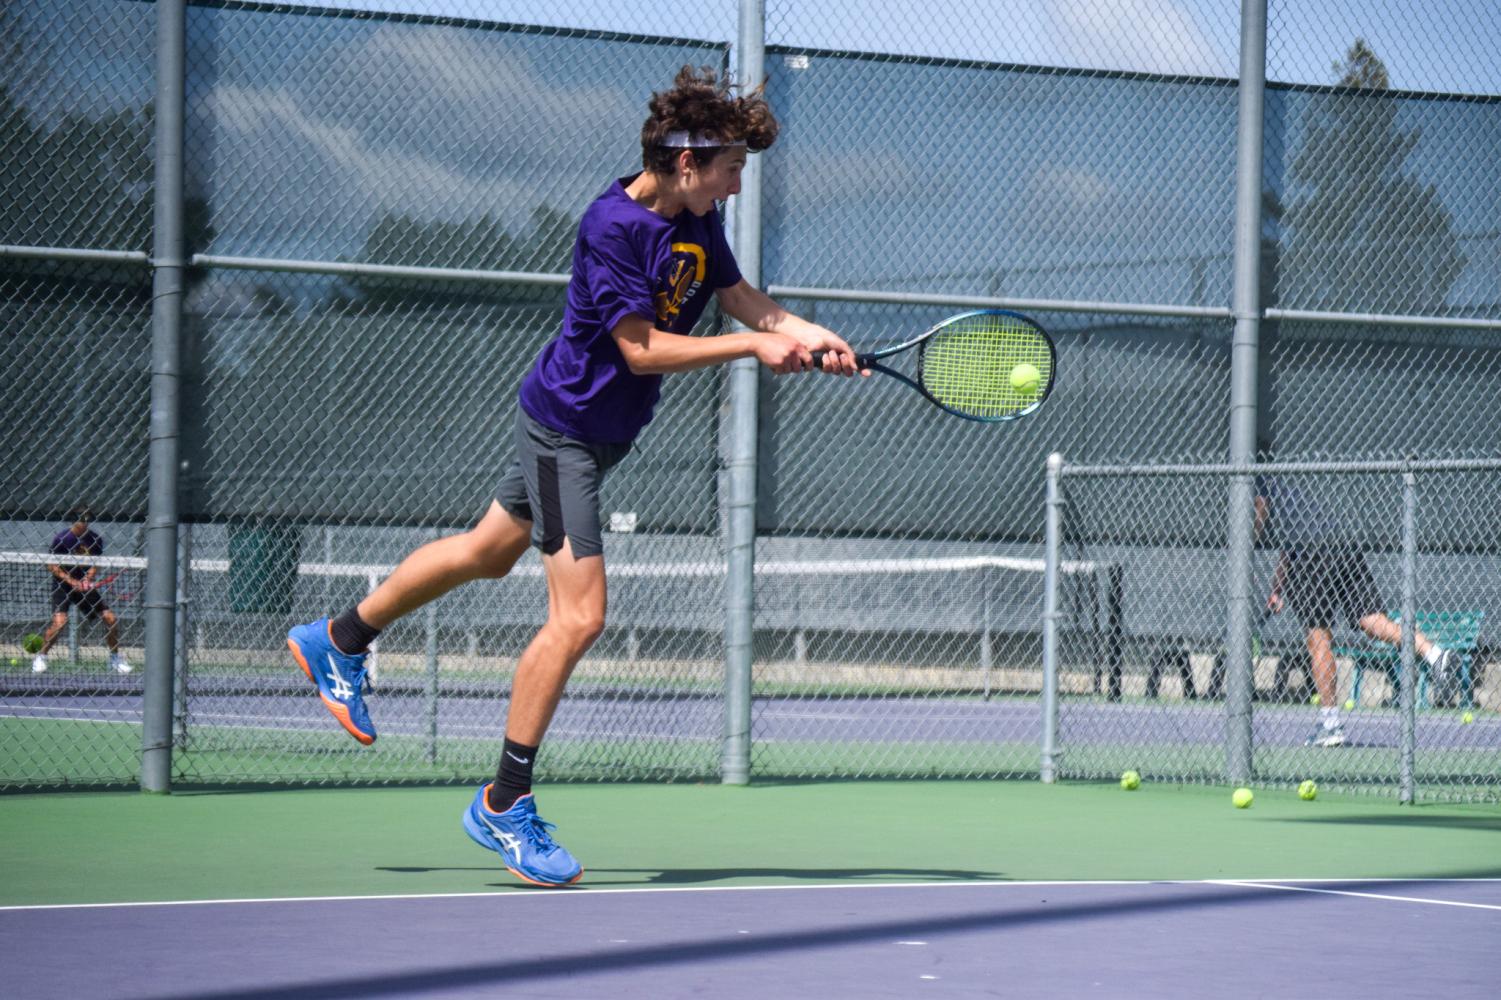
(1437, 821)
(785, 944)
(699, 876)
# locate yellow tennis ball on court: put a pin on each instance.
(1467, 718)
(14, 662)
(1308, 791)
(1314, 700)
(1130, 781)
(1349, 704)
(1025, 378)
(1242, 798)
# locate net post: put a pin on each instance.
(430, 705)
(180, 639)
(1052, 538)
(1406, 789)
(987, 581)
(740, 458)
(372, 674)
(1115, 626)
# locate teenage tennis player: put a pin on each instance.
(75, 587)
(649, 253)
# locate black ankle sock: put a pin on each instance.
(513, 778)
(351, 633)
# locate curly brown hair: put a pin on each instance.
(701, 103)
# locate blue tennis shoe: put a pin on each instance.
(521, 839)
(340, 677)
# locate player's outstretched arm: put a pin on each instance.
(649, 351)
(759, 311)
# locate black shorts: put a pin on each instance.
(554, 483)
(89, 602)
(1322, 583)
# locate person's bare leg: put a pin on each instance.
(1383, 629)
(489, 549)
(575, 618)
(1325, 673)
(59, 622)
(111, 631)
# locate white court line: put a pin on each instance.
(1368, 895)
(520, 892)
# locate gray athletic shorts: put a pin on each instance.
(554, 483)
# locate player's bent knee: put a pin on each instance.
(580, 628)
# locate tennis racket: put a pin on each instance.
(989, 365)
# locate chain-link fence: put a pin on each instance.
(1348, 555)
(378, 205)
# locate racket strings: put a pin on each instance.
(968, 365)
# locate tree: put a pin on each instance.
(1361, 233)
(478, 244)
(78, 179)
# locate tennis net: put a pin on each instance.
(843, 636)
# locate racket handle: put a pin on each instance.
(861, 360)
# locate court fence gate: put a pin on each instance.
(1420, 542)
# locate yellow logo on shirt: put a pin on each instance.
(685, 273)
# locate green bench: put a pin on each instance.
(1456, 630)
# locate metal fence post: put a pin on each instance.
(166, 330)
(1243, 379)
(1051, 544)
(740, 462)
(1405, 792)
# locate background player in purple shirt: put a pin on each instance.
(73, 586)
(650, 252)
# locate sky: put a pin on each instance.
(443, 124)
(1442, 45)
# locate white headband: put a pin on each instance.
(686, 140)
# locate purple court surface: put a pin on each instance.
(1324, 940)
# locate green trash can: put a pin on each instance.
(263, 567)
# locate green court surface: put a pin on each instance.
(122, 846)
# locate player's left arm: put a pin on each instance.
(760, 311)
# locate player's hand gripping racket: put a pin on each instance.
(989, 365)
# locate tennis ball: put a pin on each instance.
(14, 662)
(1314, 700)
(1025, 378)
(1130, 781)
(1467, 718)
(1349, 704)
(1308, 791)
(1242, 798)
(32, 643)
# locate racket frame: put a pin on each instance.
(872, 359)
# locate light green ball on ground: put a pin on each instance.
(1130, 781)
(1308, 791)
(1242, 798)
(15, 662)
(1025, 378)
(1314, 700)
(1349, 704)
(1467, 718)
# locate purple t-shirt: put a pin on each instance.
(627, 261)
(65, 543)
